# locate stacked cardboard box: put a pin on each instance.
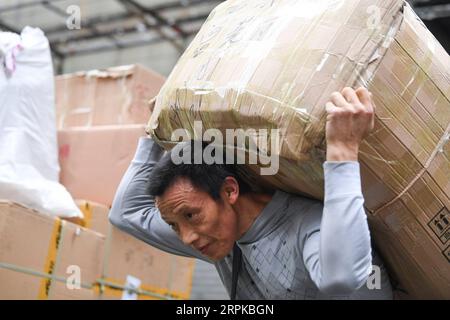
(37, 252)
(114, 96)
(94, 159)
(41, 256)
(101, 115)
(274, 66)
(161, 275)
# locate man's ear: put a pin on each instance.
(230, 190)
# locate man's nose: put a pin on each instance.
(188, 236)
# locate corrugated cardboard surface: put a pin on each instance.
(263, 64)
(95, 216)
(35, 251)
(116, 95)
(161, 274)
(93, 160)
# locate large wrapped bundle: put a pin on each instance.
(259, 64)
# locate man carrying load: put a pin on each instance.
(264, 245)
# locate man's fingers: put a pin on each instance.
(330, 107)
(350, 95)
(365, 97)
(338, 99)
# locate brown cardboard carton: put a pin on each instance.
(274, 65)
(93, 160)
(95, 216)
(117, 95)
(36, 251)
(162, 275)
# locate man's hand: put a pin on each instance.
(351, 116)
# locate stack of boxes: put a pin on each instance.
(100, 117)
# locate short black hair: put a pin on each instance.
(206, 177)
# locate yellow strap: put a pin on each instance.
(86, 208)
(191, 277)
(59, 248)
(51, 257)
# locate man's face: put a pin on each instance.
(207, 225)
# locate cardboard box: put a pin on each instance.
(95, 216)
(36, 251)
(274, 65)
(93, 160)
(117, 95)
(38, 254)
(162, 275)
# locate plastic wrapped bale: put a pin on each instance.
(265, 64)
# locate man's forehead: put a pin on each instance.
(183, 187)
(178, 197)
(180, 184)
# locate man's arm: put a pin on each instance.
(336, 242)
(339, 256)
(134, 211)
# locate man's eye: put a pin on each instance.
(191, 216)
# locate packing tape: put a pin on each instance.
(191, 280)
(51, 258)
(86, 209)
(439, 148)
(59, 248)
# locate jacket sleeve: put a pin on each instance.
(335, 238)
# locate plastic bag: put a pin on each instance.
(29, 168)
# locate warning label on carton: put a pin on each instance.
(446, 253)
(440, 224)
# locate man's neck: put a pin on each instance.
(248, 207)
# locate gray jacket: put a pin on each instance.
(297, 248)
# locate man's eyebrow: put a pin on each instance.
(182, 209)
